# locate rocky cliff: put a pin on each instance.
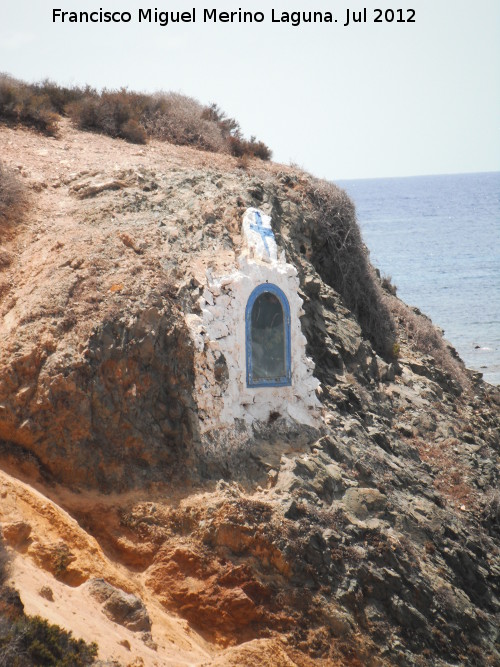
(370, 538)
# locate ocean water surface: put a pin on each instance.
(438, 237)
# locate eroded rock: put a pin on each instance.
(123, 608)
(17, 533)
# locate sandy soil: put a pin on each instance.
(73, 608)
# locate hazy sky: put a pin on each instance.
(366, 100)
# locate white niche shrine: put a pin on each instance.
(250, 358)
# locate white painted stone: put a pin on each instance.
(224, 300)
(193, 320)
(219, 329)
(208, 316)
(223, 320)
(195, 325)
(208, 296)
(297, 412)
(218, 311)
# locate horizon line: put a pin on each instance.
(451, 173)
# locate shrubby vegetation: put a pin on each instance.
(13, 199)
(30, 641)
(231, 132)
(127, 115)
(113, 113)
(27, 105)
(422, 336)
(4, 563)
(342, 260)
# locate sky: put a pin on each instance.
(366, 100)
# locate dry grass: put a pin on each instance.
(422, 336)
(451, 476)
(13, 200)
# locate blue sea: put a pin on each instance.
(438, 237)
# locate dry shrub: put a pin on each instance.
(13, 199)
(387, 284)
(239, 147)
(259, 149)
(184, 121)
(61, 96)
(422, 336)
(127, 115)
(113, 113)
(181, 120)
(172, 117)
(4, 562)
(133, 132)
(230, 129)
(21, 104)
(341, 258)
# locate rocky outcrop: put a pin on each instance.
(123, 608)
(371, 538)
(114, 397)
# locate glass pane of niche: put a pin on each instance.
(268, 338)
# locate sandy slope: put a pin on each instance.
(22, 508)
(73, 608)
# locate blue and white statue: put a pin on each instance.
(259, 236)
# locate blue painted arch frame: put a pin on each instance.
(285, 380)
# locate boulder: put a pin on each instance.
(364, 503)
(123, 608)
(17, 533)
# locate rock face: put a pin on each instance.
(52, 399)
(123, 608)
(368, 536)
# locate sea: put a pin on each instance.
(438, 238)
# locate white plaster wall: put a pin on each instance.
(221, 330)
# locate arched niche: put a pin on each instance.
(267, 326)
